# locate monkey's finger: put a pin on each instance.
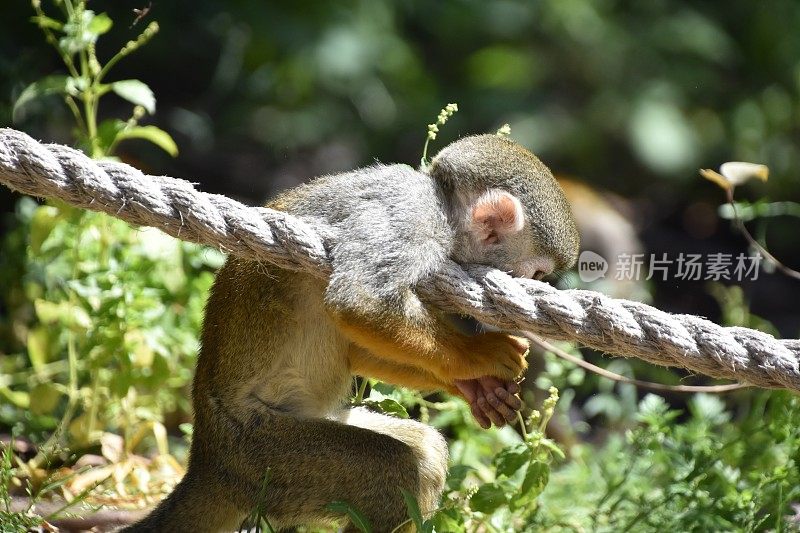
(491, 390)
(489, 383)
(496, 418)
(511, 400)
(493, 386)
(512, 387)
(468, 389)
(482, 420)
(508, 414)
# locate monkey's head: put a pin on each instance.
(507, 209)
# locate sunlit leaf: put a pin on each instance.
(153, 134)
(448, 520)
(39, 347)
(100, 24)
(112, 447)
(19, 398)
(160, 435)
(47, 312)
(388, 406)
(136, 92)
(709, 408)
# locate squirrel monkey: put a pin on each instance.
(279, 348)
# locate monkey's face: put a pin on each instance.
(506, 207)
(493, 228)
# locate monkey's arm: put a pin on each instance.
(433, 345)
(392, 237)
(491, 400)
(364, 363)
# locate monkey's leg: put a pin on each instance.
(363, 460)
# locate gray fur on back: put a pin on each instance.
(391, 228)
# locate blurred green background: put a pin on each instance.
(632, 97)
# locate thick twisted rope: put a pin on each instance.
(591, 319)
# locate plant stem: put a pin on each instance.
(111, 62)
(51, 39)
(362, 387)
(424, 162)
(70, 101)
(754, 243)
(522, 427)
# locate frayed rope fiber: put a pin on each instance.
(615, 326)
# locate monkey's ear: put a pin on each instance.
(495, 215)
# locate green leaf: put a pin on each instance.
(355, 516)
(536, 479)
(19, 398)
(100, 24)
(388, 406)
(490, 497)
(553, 447)
(48, 312)
(448, 520)
(44, 398)
(456, 476)
(512, 459)
(708, 408)
(153, 134)
(107, 132)
(43, 221)
(136, 92)
(414, 513)
(43, 87)
(38, 347)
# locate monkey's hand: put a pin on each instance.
(491, 400)
(489, 354)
